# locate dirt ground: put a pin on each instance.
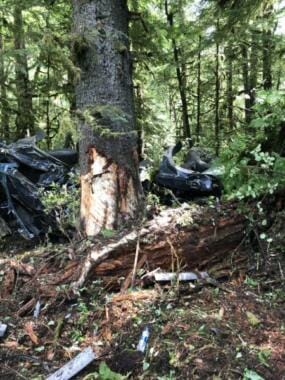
(197, 330)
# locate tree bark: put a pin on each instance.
(267, 50)
(111, 193)
(3, 92)
(217, 98)
(253, 70)
(181, 78)
(246, 84)
(25, 116)
(229, 90)
(199, 95)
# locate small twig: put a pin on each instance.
(136, 261)
(174, 197)
(281, 270)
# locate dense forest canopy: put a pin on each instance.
(209, 72)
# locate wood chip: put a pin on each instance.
(29, 329)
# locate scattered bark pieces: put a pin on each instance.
(26, 307)
(8, 284)
(67, 273)
(136, 296)
(77, 364)
(20, 267)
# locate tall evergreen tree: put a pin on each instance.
(25, 115)
(110, 188)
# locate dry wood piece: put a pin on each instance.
(18, 266)
(8, 284)
(29, 328)
(26, 307)
(77, 364)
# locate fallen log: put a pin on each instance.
(188, 238)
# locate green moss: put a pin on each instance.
(79, 44)
(120, 47)
(107, 120)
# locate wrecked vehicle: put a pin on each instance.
(24, 169)
(197, 177)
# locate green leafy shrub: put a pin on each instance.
(252, 163)
(64, 202)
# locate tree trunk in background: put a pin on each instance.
(198, 120)
(229, 89)
(253, 70)
(4, 131)
(25, 116)
(246, 85)
(181, 78)
(48, 136)
(217, 98)
(267, 49)
(140, 120)
(111, 192)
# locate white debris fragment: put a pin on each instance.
(3, 329)
(37, 310)
(77, 364)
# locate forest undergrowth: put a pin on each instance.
(231, 330)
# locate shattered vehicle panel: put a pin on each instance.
(24, 169)
(186, 182)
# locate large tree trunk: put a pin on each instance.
(110, 188)
(25, 116)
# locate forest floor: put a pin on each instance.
(197, 330)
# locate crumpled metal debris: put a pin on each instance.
(24, 169)
(195, 178)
